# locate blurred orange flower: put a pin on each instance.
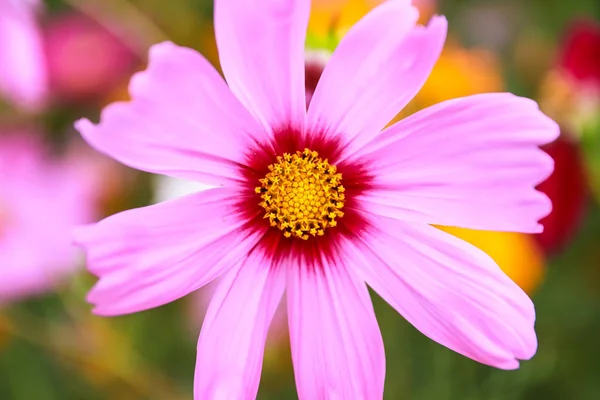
(459, 72)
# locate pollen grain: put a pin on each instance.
(302, 194)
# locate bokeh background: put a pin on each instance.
(76, 56)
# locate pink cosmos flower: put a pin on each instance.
(22, 62)
(320, 203)
(41, 200)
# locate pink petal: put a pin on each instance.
(471, 162)
(232, 340)
(449, 290)
(278, 331)
(23, 76)
(261, 47)
(337, 348)
(150, 256)
(183, 121)
(375, 71)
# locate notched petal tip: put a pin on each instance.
(509, 365)
(437, 26)
(438, 22)
(547, 164)
(82, 125)
(94, 297)
(100, 299)
(458, 296)
(158, 54)
(548, 129)
(544, 209)
(539, 228)
(88, 129)
(159, 49)
(552, 127)
(99, 311)
(527, 349)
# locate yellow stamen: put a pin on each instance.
(302, 194)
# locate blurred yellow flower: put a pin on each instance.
(331, 19)
(335, 17)
(517, 254)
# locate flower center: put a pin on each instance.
(302, 194)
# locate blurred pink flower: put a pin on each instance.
(22, 64)
(362, 217)
(41, 200)
(85, 61)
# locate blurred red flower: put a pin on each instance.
(580, 55)
(567, 188)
